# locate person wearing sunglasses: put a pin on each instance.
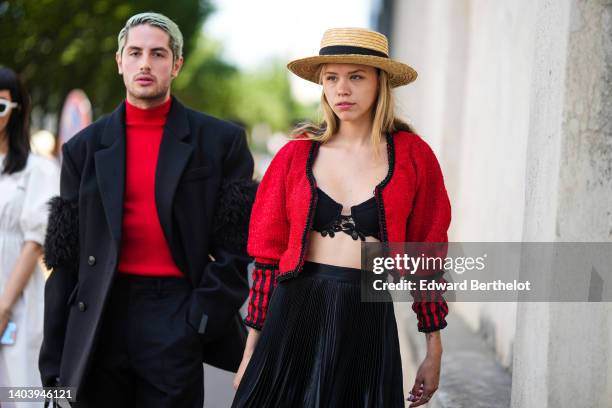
(6, 106)
(27, 182)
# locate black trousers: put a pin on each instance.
(147, 353)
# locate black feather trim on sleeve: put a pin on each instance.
(231, 224)
(61, 246)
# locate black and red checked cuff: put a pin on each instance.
(431, 316)
(431, 308)
(264, 282)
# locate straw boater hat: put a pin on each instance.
(353, 46)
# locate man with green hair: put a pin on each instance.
(147, 241)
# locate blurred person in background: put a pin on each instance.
(361, 176)
(27, 183)
(147, 241)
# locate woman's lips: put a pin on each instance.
(344, 105)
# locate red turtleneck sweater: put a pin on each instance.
(144, 250)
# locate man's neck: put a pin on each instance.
(147, 103)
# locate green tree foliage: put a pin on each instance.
(264, 95)
(205, 81)
(58, 45)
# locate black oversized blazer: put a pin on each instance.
(203, 192)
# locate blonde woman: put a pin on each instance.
(362, 175)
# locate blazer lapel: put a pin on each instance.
(174, 154)
(110, 170)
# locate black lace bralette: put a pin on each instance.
(363, 221)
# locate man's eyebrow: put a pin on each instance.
(156, 49)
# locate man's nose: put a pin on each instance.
(145, 63)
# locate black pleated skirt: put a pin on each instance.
(322, 347)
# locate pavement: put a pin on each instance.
(471, 377)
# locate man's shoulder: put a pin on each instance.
(88, 135)
(220, 126)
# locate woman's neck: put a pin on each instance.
(355, 133)
(3, 142)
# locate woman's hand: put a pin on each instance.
(18, 279)
(243, 365)
(246, 356)
(426, 382)
(5, 316)
(428, 374)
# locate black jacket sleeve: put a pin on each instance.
(224, 284)
(61, 249)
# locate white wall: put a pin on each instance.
(515, 97)
(566, 346)
(470, 102)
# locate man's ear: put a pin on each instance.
(176, 68)
(118, 60)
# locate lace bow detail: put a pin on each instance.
(346, 224)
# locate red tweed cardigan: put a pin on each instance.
(413, 207)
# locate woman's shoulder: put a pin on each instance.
(411, 143)
(296, 147)
(38, 164)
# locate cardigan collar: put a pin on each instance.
(314, 149)
(312, 153)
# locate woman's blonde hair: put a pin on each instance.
(383, 117)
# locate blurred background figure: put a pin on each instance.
(27, 182)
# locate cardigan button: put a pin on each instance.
(82, 306)
(91, 260)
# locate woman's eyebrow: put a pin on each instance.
(352, 72)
